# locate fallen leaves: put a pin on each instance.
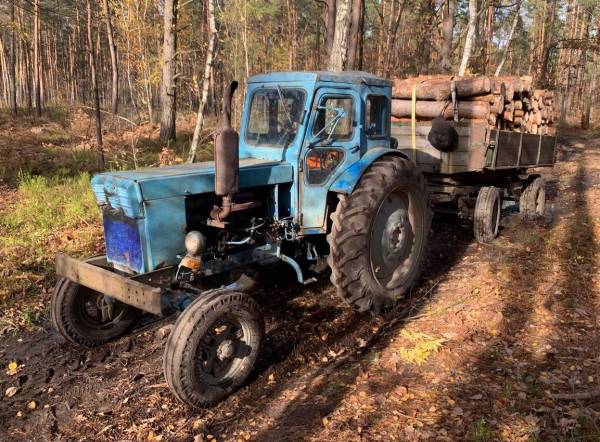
(12, 368)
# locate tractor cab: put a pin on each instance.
(321, 123)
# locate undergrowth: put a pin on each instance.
(45, 216)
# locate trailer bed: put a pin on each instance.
(479, 149)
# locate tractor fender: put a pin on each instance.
(346, 182)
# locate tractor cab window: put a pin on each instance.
(335, 118)
(276, 113)
(376, 116)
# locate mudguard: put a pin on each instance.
(346, 182)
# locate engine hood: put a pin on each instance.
(127, 191)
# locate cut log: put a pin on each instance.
(432, 109)
(439, 89)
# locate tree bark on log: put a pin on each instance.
(432, 109)
(439, 89)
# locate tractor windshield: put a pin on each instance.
(275, 115)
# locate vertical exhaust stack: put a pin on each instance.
(227, 163)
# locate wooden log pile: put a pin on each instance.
(509, 103)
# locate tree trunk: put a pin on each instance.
(168, 96)
(510, 37)
(356, 35)
(12, 61)
(205, 80)
(36, 59)
(339, 50)
(447, 34)
(470, 37)
(330, 27)
(114, 97)
(90, 40)
(589, 96)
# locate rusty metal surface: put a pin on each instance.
(122, 288)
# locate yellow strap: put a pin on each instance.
(413, 121)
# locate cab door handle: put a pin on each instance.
(355, 149)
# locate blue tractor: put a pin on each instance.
(314, 180)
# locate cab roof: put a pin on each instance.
(353, 77)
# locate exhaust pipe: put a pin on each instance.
(227, 163)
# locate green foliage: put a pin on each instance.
(481, 431)
(46, 205)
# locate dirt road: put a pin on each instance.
(477, 352)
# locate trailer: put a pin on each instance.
(486, 167)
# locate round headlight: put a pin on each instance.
(195, 243)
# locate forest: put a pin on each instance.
(495, 341)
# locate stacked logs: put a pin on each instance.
(509, 103)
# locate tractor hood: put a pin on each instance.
(128, 191)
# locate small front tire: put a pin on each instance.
(213, 347)
(88, 318)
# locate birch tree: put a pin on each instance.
(471, 27)
(208, 65)
(510, 38)
(339, 48)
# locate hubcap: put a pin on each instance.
(392, 238)
(221, 350)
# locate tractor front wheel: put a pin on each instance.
(88, 318)
(213, 347)
(379, 233)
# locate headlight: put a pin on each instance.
(195, 243)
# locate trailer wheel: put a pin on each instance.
(532, 203)
(486, 218)
(87, 318)
(379, 233)
(213, 347)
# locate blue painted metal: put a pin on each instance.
(156, 198)
(346, 181)
(123, 244)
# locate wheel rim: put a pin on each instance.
(222, 349)
(392, 239)
(98, 311)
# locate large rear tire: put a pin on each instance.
(213, 347)
(379, 234)
(87, 318)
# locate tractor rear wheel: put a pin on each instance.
(88, 318)
(379, 233)
(532, 203)
(486, 218)
(213, 347)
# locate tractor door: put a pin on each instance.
(332, 144)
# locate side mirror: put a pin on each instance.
(393, 143)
